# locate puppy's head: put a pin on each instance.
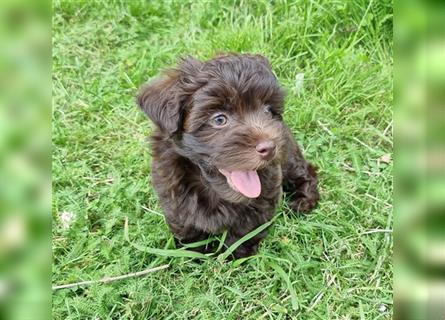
(223, 114)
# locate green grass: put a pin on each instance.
(332, 264)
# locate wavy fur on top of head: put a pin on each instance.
(217, 120)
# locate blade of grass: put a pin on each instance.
(248, 236)
(285, 277)
(199, 243)
(222, 239)
(179, 253)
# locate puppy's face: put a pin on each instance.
(223, 114)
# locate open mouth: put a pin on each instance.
(245, 182)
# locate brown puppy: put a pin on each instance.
(221, 152)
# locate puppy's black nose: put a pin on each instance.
(266, 149)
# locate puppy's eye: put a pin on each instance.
(219, 120)
(268, 109)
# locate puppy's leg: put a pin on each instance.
(248, 248)
(189, 235)
(299, 178)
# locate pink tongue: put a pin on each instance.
(247, 182)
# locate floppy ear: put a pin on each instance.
(159, 102)
(164, 99)
(263, 60)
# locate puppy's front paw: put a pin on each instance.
(303, 205)
(244, 251)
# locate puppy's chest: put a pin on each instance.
(248, 212)
(228, 215)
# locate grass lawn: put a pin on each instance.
(332, 264)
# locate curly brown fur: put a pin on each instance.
(219, 129)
